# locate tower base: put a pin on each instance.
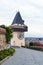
(15, 41)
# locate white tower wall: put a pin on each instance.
(15, 41)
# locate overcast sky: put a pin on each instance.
(30, 10)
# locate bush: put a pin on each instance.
(6, 52)
(31, 44)
(11, 51)
(23, 46)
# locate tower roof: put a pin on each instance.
(18, 19)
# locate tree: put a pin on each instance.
(31, 44)
(2, 26)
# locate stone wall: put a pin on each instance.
(2, 41)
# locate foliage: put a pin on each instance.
(31, 44)
(35, 46)
(6, 52)
(2, 26)
(23, 46)
(8, 33)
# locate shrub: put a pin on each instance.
(23, 46)
(31, 44)
(6, 52)
(11, 51)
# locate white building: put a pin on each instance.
(19, 28)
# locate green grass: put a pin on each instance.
(6, 52)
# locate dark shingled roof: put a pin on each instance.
(18, 19)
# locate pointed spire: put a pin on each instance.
(18, 19)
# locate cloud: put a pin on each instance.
(31, 11)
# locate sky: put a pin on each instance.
(30, 10)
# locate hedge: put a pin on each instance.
(6, 52)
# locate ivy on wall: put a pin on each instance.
(8, 33)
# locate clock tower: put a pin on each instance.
(19, 28)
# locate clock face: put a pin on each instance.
(20, 35)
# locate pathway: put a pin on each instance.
(25, 56)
